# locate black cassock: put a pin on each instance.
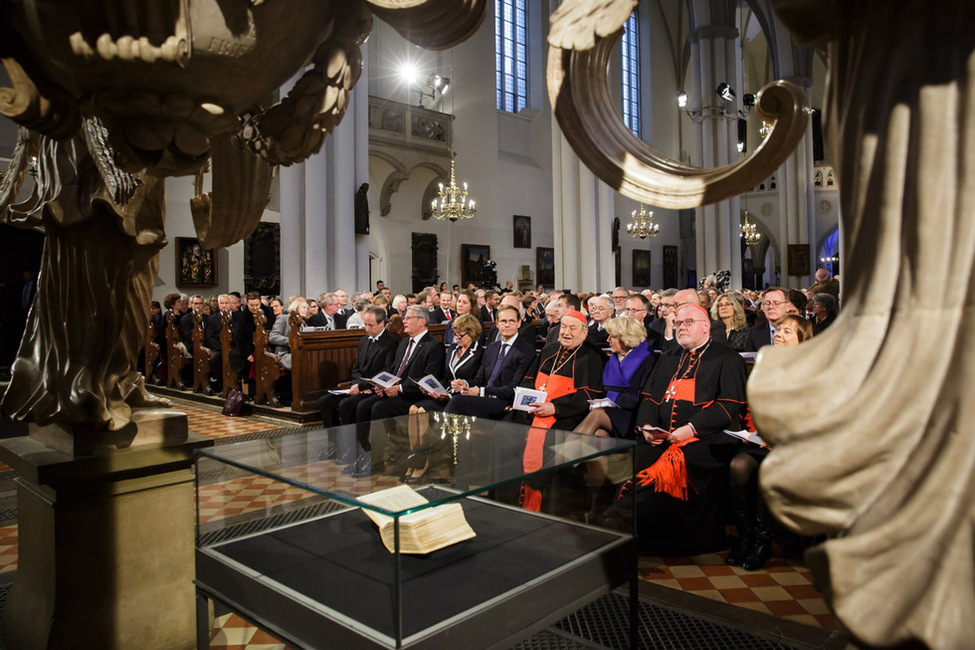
(705, 388)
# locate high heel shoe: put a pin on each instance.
(418, 476)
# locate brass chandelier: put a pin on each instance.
(749, 232)
(453, 203)
(642, 224)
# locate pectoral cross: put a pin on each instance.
(671, 391)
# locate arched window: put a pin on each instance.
(631, 74)
(511, 54)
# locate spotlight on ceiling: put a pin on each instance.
(408, 73)
(748, 100)
(681, 99)
(725, 92)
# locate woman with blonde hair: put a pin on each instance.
(727, 310)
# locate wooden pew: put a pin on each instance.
(321, 360)
(151, 351)
(230, 378)
(201, 358)
(174, 353)
(266, 368)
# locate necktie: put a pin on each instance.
(447, 312)
(497, 364)
(406, 358)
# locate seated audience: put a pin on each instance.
(601, 311)
(503, 367)
(824, 312)
(731, 314)
(465, 306)
(775, 305)
(692, 395)
(355, 320)
(462, 363)
(755, 524)
(570, 374)
(624, 375)
(278, 336)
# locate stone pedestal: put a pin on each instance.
(106, 536)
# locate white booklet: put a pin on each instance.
(604, 403)
(339, 391)
(384, 379)
(420, 532)
(747, 436)
(432, 385)
(525, 398)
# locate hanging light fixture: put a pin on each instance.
(453, 203)
(642, 224)
(749, 232)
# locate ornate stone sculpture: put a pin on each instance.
(883, 456)
(114, 98)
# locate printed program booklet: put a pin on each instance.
(384, 379)
(747, 436)
(525, 398)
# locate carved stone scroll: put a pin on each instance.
(579, 93)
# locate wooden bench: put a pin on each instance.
(151, 350)
(201, 358)
(230, 379)
(266, 368)
(174, 353)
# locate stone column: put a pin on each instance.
(319, 248)
(714, 59)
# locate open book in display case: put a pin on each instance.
(284, 541)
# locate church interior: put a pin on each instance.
(372, 204)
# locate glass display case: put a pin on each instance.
(284, 541)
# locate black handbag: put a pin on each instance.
(234, 404)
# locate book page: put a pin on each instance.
(401, 497)
(384, 379)
(747, 436)
(432, 385)
(604, 403)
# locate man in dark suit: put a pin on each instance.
(242, 352)
(211, 339)
(374, 355)
(186, 323)
(329, 315)
(601, 311)
(775, 306)
(527, 330)
(681, 299)
(490, 308)
(418, 354)
(443, 313)
(503, 368)
(638, 306)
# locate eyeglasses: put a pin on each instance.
(686, 323)
(630, 310)
(667, 304)
(413, 318)
(678, 305)
(620, 297)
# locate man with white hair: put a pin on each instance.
(602, 309)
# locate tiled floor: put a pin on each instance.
(784, 588)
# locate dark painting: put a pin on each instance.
(262, 260)
(545, 266)
(195, 266)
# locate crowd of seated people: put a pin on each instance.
(668, 361)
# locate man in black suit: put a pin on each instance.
(443, 312)
(375, 354)
(526, 330)
(490, 308)
(503, 367)
(211, 339)
(418, 354)
(186, 323)
(638, 306)
(681, 299)
(601, 311)
(567, 302)
(775, 306)
(328, 315)
(242, 352)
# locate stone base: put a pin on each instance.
(106, 537)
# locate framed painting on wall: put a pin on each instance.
(670, 267)
(641, 268)
(195, 267)
(545, 266)
(472, 258)
(798, 259)
(522, 228)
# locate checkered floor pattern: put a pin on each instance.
(784, 588)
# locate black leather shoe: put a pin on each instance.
(740, 550)
(758, 557)
(362, 468)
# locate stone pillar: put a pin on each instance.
(583, 217)
(106, 526)
(319, 248)
(714, 59)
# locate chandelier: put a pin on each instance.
(749, 232)
(453, 203)
(642, 225)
